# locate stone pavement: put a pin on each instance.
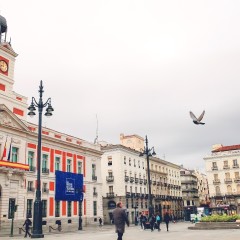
(178, 231)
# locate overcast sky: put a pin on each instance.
(140, 66)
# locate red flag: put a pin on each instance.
(4, 155)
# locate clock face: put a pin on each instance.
(3, 66)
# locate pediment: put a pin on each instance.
(9, 119)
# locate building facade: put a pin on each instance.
(124, 174)
(18, 152)
(222, 168)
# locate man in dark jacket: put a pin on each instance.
(27, 225)
(120, 218)
(166, 219)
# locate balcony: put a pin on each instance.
(110, 178)
(94, 178)
(32, 169)
(45, 170)
(110, 195)
(45, 190)
(235, 166)
(131, 179)
(141, 181)
(215, 168)
(136, 180)
(226, 167)
(126, 178)
(237, 180)
(228, 180)
(216, 181)
(142, 195)
(128, 194)
(30, 189)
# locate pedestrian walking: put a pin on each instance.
(152, 222)
(120, 219)
(27, 225)
(166, 219)
(100, 222)
(158, 221)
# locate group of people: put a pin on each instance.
(120, 219)
(154, 221)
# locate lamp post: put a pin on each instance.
(37, 215)
(148, 152)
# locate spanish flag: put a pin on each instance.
(4, 154)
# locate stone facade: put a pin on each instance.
(222, 168)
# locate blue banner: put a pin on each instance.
(69, 186)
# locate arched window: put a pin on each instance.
(218, 190)
(229, 189)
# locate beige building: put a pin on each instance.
(60, 151)
(125, 179)
(222, 168)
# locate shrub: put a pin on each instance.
(220, 218)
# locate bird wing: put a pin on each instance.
(193, 116)
(201, 116)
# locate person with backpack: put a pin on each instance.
(158, 221)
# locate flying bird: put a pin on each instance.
(197, 120)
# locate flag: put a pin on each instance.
(4, 154)
(9, 152)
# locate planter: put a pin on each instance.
(215, 225)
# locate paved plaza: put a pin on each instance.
(178, 231)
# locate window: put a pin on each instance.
(227, 175)
(125, 188)
(29, 208)
(93, 170)
(30, 160)
(14, 154)
(225, 163)
(214, 165)
(134, 162)
(57, 208)
(30, 186)
(236, 175)
(235, 163)
(44, 208)
(130, 189)
(11, 207)
(135, 189)
(124, 160)
(110, 189)
(94, 191)
(69, 208)
(44, 188)
(110, 174)
(130, 162)
(215, 176)
(69, 165)
(57, 163)
(218, 190)
(79, 167)
(45, 163)
(94, 208)
(109, 161)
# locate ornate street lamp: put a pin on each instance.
(37, 215)
(148, 152)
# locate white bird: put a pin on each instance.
(197, 120)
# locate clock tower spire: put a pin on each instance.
(12, 100)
